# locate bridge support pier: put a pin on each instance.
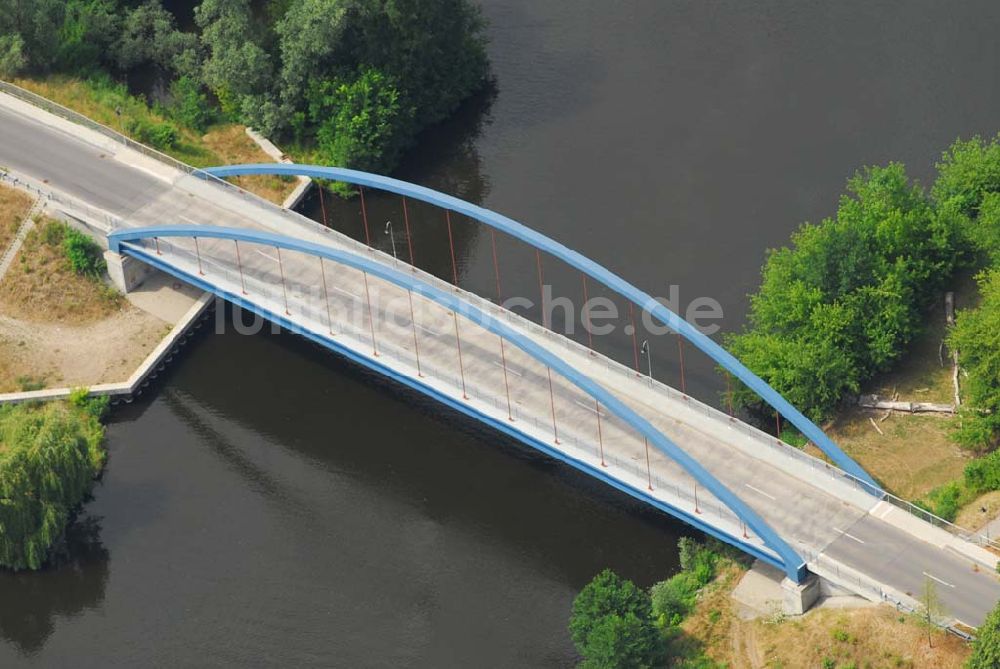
(799, 597)
(126, 272)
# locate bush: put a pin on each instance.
(945, 501)
(83, 253)
(673, 598)
(50, 457)
(97, 406)
(190, 106)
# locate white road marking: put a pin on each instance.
(932, 576)
(849, 536)
(761, 492)
(588, 407)
(188, 220)
(346, 292)
(271, 258)
(509, 370)
(429, 331)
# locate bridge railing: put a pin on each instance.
(849, 578)
(92, 216)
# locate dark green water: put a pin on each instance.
(268, 504)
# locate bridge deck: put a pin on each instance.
(817, 512)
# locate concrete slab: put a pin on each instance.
(164, 296)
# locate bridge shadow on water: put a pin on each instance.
(288, 394)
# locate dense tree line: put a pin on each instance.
(358, 78)
(49, 457)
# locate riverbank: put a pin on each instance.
(60, 329)
(829, 635)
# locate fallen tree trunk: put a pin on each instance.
(873, 402)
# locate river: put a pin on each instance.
(267, 503)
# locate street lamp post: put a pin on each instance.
(392, 240)
(649, 359)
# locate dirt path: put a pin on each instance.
(76, 355)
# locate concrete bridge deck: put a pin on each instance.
(844, 533)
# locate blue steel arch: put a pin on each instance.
(585, 265)
(793, 564)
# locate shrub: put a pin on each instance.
(83, 253)
(190, 106)
(673, 598)
(945, 501)
(983, 475)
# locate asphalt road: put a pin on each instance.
(74, 166)
(801, 510)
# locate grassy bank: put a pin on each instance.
(221, 144)
(14, 205)
(42, 285)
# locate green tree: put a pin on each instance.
(931, 609)
(89, 30)
(237, 69)
(969, 170)
(611, 624)
(976, 335)
(434, 49)
(361, 123)
(12, 56)
(37, 23)
(49, 456)
(149, 35)
(986, 647)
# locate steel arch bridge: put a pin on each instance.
(130, 241)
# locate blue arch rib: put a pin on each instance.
(640, 298)
(793, 563)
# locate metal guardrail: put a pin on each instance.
(496, 310)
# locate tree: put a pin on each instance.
(235, 66)
(611, 624)
(12, 57)
(50, 457)
(986, 647)
(89, 29)
(976, 335)
(969, 170)
(931, 609)
(37, 23)
(362, 123)
(149, 35)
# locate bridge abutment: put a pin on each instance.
(126, 272)
(797, 598)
